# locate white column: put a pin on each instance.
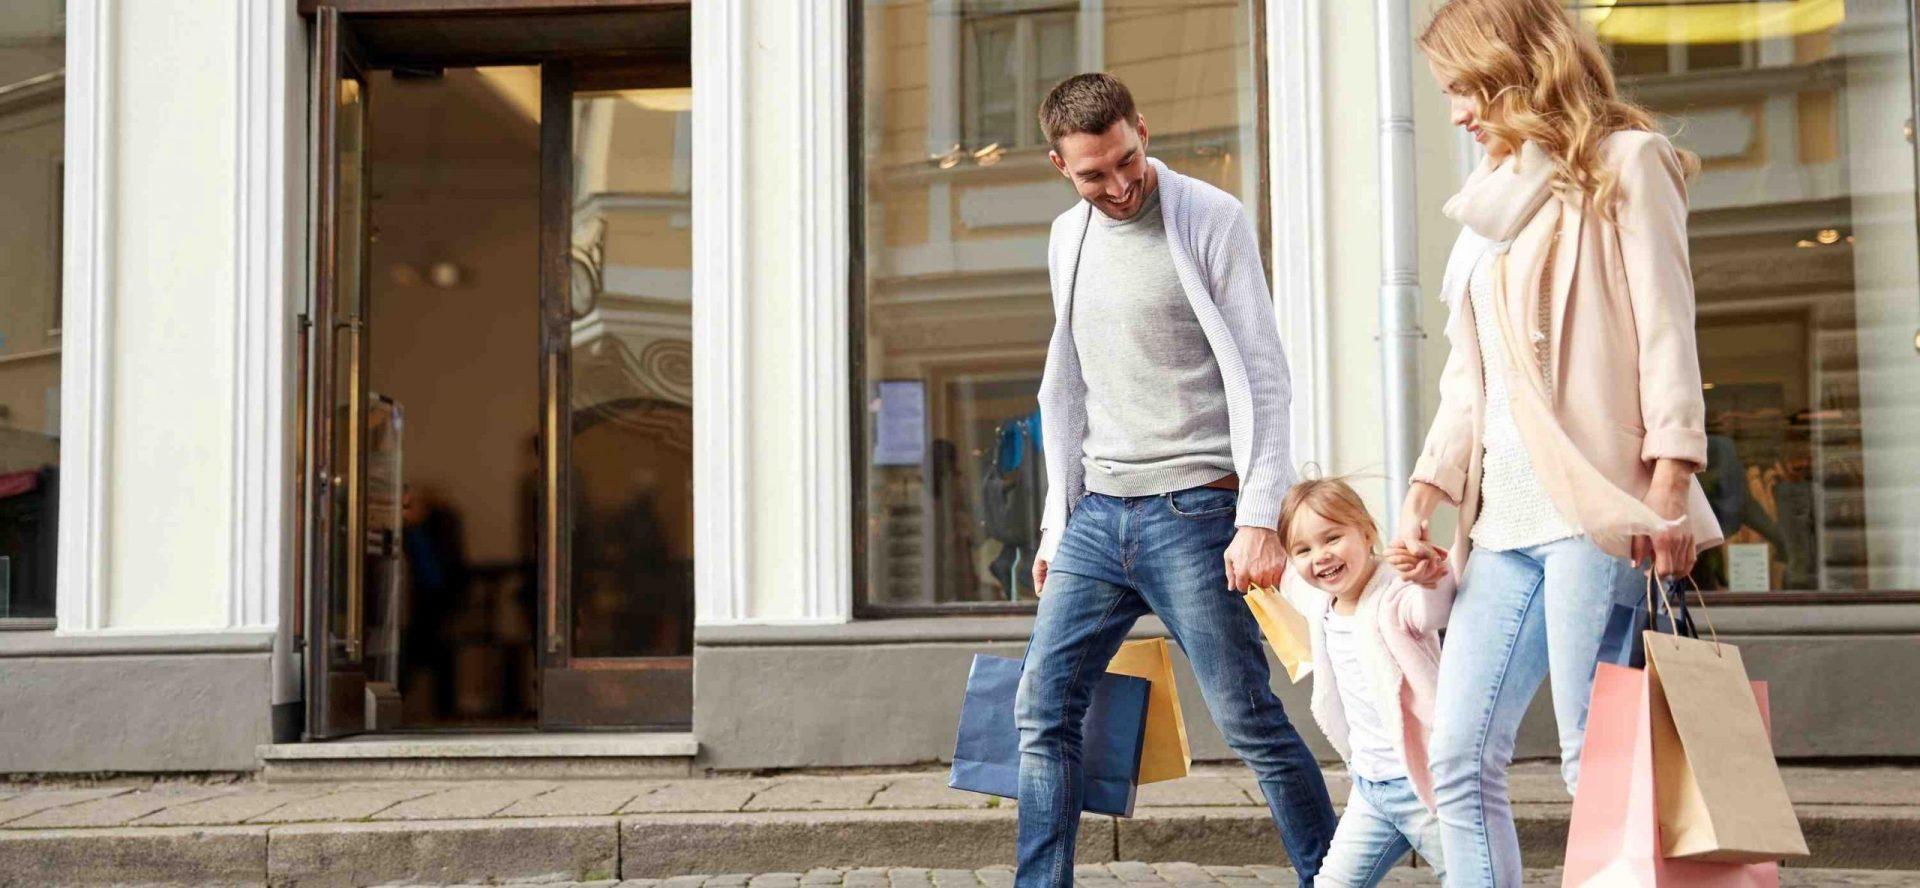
(820, 169)
(87, 277)
(263, 280)
(720, 382)
(1297, 171)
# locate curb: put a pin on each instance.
(664, 845)
(219, 855)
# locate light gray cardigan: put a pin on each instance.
(1217, 258)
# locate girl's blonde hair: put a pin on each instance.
(1332, 499)
(1540, 77)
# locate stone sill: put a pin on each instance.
(487, 746)
(48, 643)
(1732, 620)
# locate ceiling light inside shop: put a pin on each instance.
(1825, 237)
(1630, 22)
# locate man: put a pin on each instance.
(1165, 396)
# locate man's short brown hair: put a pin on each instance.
(1085, 103)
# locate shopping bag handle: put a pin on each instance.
(1682, 620)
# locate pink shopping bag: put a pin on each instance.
(1615, 836)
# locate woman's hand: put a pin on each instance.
(1669, 551)
(1411, 532)
(1411, 553)
(1420, 570)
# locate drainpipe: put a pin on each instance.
(1400, 332)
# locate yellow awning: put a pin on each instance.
(1737, 21)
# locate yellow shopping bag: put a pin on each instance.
(1166, 754)
(1286, 630)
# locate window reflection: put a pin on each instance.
(32, 141)
(1803, 245)
(959, 195)
(632, 409)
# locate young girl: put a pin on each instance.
(1376, 659)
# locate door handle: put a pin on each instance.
(356, 543)
(551, 456)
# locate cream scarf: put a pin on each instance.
(1498, 202)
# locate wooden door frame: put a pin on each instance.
(564, 71)
(332, 701)
(578, 692)
(556, 358)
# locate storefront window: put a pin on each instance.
(957, 196)
(1804, 259)
(32, 90)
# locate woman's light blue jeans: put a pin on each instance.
(1520, 617)
(1382, 821)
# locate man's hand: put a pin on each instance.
(1256, 558)
(1670, 551)
(1039, 577)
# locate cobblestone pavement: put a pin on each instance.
(79, 804)
(1123, 875)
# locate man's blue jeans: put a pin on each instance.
(1119, 560)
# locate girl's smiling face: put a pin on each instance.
(1335, 558)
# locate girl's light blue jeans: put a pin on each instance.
(1520, 617)
(1382, 821)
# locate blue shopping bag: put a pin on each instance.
(1622, 645)
(986, 756)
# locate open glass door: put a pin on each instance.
(616, 554)
(335, 447)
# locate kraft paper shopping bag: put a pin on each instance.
(1720, 794)
(1286, 630)
(1614, 839)
(1166, 755)
(986, 755)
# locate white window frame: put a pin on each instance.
(1026, 81)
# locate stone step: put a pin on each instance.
(503, 756)
(651, 846)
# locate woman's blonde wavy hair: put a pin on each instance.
(1540, 77)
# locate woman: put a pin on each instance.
(1571, 420)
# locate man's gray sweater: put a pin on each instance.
(1156, 408)
(1216, 256)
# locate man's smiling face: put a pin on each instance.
(1109, 169)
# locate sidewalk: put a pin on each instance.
(1183, 875)
(453, 832)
